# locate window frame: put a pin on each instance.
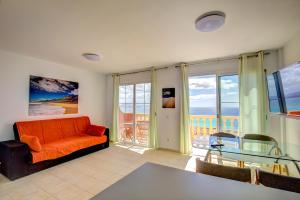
(218, 93)
(279, 91)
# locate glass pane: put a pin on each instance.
(273, 95)
(229, 88)
(140, 93)
(122, 108)
(147, 109)
(122, 94)
(126, 125)
(129, 93)
(140, 108)
(148, 87)
(274, 105)
(147, 97)
(203, 95)
(290, 83)
(203, 101)
(128, 108)
(229, 103)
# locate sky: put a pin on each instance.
(290, 77)
(47, 88)
(203, 90)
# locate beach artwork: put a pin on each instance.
(168, 97)
(49, 96)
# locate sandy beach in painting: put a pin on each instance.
(36, 109)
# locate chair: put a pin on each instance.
(278, 181)
(264, 139)
(230, 140)
(234, 173)
(267, 141)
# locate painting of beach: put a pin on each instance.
(49, 96)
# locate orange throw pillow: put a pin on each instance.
(96, 130)
(32, 141)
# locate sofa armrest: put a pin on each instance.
(107, 135)
(14, 158)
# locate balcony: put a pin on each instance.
(202, 126)
(138, 136)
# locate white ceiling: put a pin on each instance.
(133, 34)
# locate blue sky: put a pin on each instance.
(203, 90)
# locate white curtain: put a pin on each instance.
(253, 99)
(185, 137)
(115, 123)
(153, 138)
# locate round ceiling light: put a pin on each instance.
(91, 56)
(210, 21)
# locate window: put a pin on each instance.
(214, 106)
(134, 102)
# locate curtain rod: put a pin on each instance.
(146, 70)
(193, 63)
(221, 59)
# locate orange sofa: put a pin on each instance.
(53, 141)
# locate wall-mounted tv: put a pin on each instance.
(284, 90)
(290, 79)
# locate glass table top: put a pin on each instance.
(255, 151)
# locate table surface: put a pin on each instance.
(153, 181)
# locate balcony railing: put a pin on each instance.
(201, 126)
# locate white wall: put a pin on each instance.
(291, 50)
(14, 89)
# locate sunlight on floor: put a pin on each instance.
(134, 148)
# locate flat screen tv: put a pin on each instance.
(290, 83)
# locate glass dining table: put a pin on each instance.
(255, 151)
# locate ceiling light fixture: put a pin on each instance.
(92, 56)
(210, 21)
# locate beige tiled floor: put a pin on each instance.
(84, 177)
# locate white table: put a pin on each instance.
(157, 182)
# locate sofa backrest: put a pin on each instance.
(53, 129)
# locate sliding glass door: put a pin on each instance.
(134, 113)
(214, 106)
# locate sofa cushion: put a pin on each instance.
(31, 128)
(95, 130)
(66, 146)
(68, 127)
(32, 141)
(49, 131)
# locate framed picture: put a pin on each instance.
(49, 96)
(168, 97)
